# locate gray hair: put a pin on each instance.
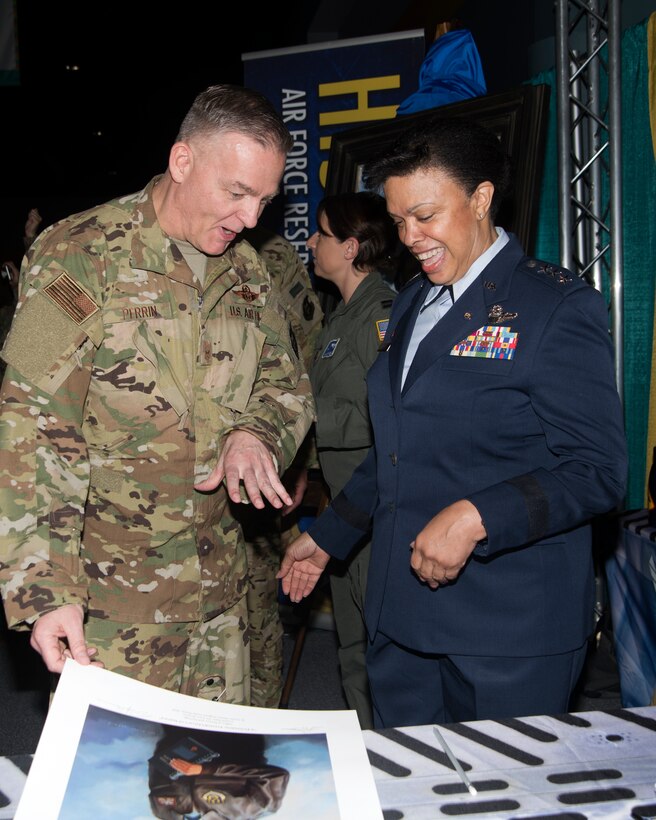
(234, 108)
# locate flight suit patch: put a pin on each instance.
(381, 328)
(329, 349)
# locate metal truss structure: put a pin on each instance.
(588, 64)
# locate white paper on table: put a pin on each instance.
(102, 727)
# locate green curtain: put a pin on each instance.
(639, 248)
(639, 221)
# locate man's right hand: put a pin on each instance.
(59, 634)
(301, 567)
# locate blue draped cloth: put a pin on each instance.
(451, 71)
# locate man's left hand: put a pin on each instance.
(245, 458)
(441, 549)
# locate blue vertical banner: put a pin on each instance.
(324, 88)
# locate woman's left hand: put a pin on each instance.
(441, 549)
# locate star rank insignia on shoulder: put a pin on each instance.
(558, 275)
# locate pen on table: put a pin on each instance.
(447, 749)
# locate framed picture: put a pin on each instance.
(518, 117)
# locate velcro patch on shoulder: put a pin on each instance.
(295, 289)
(40, 335)
(71, 298)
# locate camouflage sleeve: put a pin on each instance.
(281, 408)
(44, 481)
(303, 306)
(307, 457)
(290, 276)
(306, 318)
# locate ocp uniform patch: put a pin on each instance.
(71, 298)
(60, 311)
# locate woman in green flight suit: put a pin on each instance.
(354, 241)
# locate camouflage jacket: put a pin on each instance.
(296, 292)
(123, 378)
(300, 299)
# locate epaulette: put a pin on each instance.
(550, 272)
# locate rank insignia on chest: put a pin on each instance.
(381, 328)
(488, 342)
(330, 348)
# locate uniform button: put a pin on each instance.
(394, 459)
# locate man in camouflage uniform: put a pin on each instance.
(150, 380)
(266, 531)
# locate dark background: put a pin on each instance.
(103, 87)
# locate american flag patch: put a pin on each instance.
(381, 328)
(488, 342)
(70, 297)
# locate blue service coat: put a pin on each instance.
(532, 436)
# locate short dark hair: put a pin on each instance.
(362, 215)
(468, 152)
(228, 107)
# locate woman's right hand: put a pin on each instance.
(302, 565)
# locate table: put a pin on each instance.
(579, 766)
(631, 580)
(13, 771)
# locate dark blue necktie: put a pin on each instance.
(440, 293)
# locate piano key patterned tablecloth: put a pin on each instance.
(574, 767)
(579, 766)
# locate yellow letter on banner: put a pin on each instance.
(363, 113)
